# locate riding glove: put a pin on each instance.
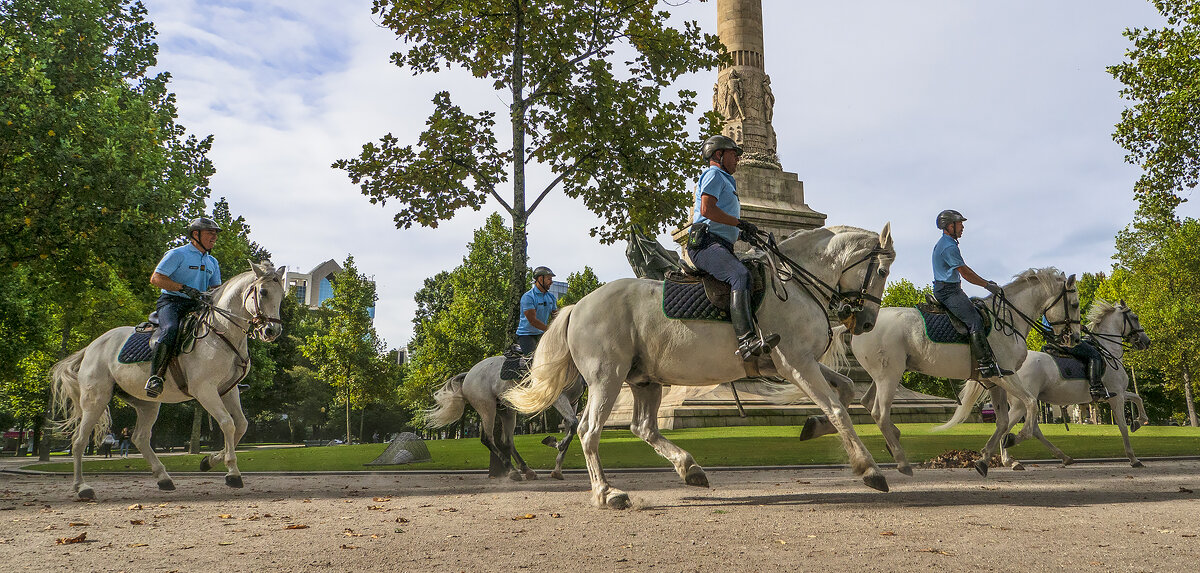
(194, 294)
(747, 227)
(994, 288)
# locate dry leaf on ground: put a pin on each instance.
(296, 526)
(526, 516)
(77, 539)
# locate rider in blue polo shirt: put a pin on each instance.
(948, 271)
(537, 306)
(184, 274)
(715, 229)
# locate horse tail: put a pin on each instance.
(64, 392)
(971, 393)
(553, 370)
(835, 357)
(450, 403)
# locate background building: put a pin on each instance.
(316, 286)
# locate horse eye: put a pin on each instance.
(883, 272)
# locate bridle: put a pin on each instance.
(253, 325)
(843, 303)
(1131, 328)
(1003, 310)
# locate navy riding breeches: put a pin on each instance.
(717, 259)
(528, 342)
(171, 310)
(956, 301)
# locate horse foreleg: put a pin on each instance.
(1004, 424)
(881, 411)
(646, 400)
(1142, 419)
(215, 405)
(1117, 403)
(1014, 387)
(571, 425)
(817, 426)
(807, 376)
(147, 413)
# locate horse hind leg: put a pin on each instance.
(93, 412)
(646, 400)
(508, 426)
(499, 464)
(571, 424)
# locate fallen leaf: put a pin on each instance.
(296, 526)
(887, 532)
(933, 550)
(450, 509)
(556, 515)
(401, 520)
(77, 539)
(163, 504)
(137, 522)
(781, 542)
(138, 545)
(134, 507)
(1189, 534)
(1184, 490)
(381, 499)
(398, 530)
(225, 516)
(225, 543)
(526, 516)
(49, 527)
(351, 533)
(374, 507)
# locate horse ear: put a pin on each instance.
(258, 270)
(885, 236)
(1071, 281)
(1123, 302)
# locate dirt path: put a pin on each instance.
(1105, 517)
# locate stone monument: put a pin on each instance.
(772, 199)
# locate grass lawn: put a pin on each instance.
(736, 446)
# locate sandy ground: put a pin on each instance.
(1088, 517)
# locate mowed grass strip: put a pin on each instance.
(733, 446)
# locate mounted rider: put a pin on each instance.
(538, 305)
(948, 271)
(1088, 352)
(716, 227)
(184, 274)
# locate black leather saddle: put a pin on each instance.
(696, 295)
(516, 365)
(1071, 367)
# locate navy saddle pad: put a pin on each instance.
(1070, 367)
(515, 366)
(136, 348)
(939, 329)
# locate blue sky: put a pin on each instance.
(888, 111)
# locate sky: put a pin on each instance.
(888, 111)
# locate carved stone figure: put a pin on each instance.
(733, 97)
(768, 99)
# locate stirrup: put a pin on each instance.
(993, 370)
(154, 386)
(1101, 393)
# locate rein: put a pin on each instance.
(1002, 311)
(842, 303)
(1129, 330)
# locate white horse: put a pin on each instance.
(83, 382)
(483, 388)
(1113, 327)
(899, 344)
(618, 335)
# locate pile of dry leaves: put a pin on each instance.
(957, 459)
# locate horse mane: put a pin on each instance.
(247, 276)
(846, 241)
(1100, 310)
(1044, 277)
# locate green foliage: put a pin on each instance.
(579, 284)
(92, 163)
(472, 324)
(1161, 131)
(904, 293)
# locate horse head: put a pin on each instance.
(262, 298)
(1131, 329)
(863, 279)
(1048, 292)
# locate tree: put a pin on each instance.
(904, 293)
(579, 285)
(1160, 278)
(1161, 131)
(346, 350)
(473, 325)
(611, 138)
(433, 299)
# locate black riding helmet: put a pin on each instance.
(945, 218)
(717, 143)
(542, 271)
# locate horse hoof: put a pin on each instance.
(1137, 464)
(618, 501)
(696, 476)
(516, 476)
(1068, 461)
(981, 467)
(1135, 426)
(906, 470)
(1018, 467)
(810, 428)
(1009, 441)
(166, 484)
(233, 481)
(205, 465)
(86, 494)
(550, 441)
(876, 482)
(530, 475)
(556, 475)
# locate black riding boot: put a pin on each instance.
(983, 354)
(158, 367)
(749, 342)
(1095, 384)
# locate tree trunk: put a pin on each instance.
(362, 415)
(1187, 395)
(197, 426)
(517, 117)
(347, 414)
